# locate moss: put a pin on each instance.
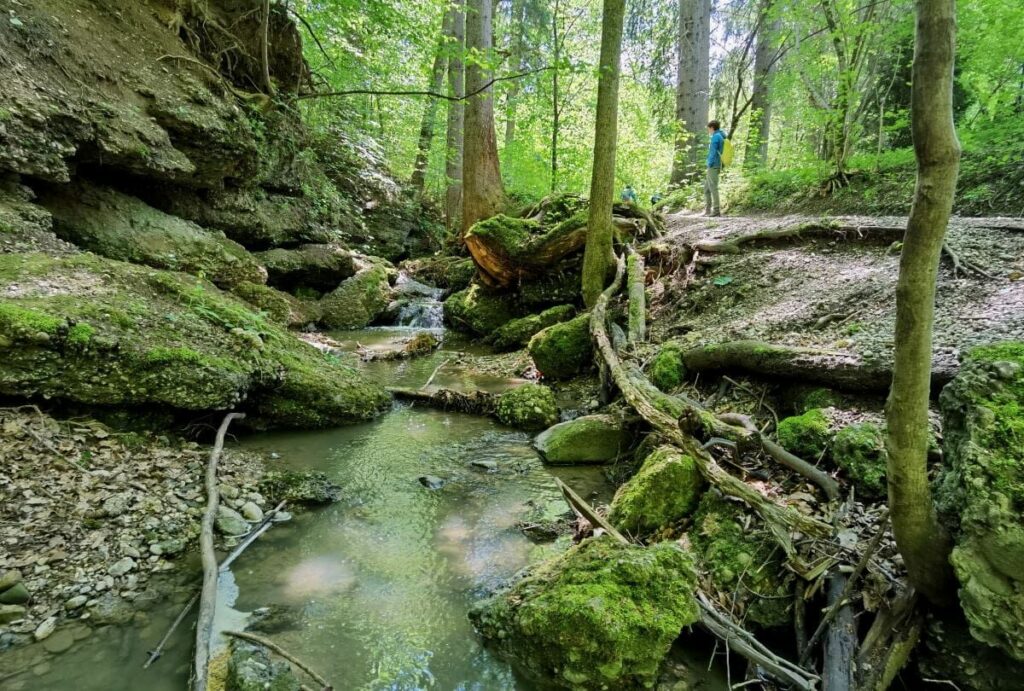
(518, 332)
(279, 306)
(806, 435)
(476, 310)
(666, 370)
(819, 398)
(563, 350)
(79, 335)
(665, 491)
(587, 439)
(744, 563)
(19, 322)
(512, 234)
(422, 344)
(602, 615)
(859, 449)
(358, 301)
(313, 487)
(529, 407)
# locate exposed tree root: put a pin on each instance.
(637, 298)
(823, 229)
(961, 266)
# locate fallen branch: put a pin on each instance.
(432, 94)
(475, 402)
(637, 298)
(961, 266)
(208, 594)
(588, 512)
(274, 647)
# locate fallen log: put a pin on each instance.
(840, 640)
(637, 298)
(475, 402)
(820, 229)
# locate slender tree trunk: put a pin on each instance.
(456, 116)
(555, 96)
(437, 73)
(598, 258)
(268, 83)
(482, 193)
(692, 85)
(519, 59)
(760, 98)
(924, 544)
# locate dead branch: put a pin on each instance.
(637, 298)
(889, 642)
(274, 647)
(431, 94)
(962, 266)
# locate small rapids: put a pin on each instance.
(419, 305)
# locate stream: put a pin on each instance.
(372, 591)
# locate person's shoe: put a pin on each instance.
(714, 214)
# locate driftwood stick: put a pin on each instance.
(274, 647)
(208, 594)
(840, 639)
(156, 652)
(588, 512)
(830, 230)
(433, 375)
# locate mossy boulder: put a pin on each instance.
(96, 331)
(587, 439)
(806, 435)
(280, 307)
(320, 267)
(358, 301)
(982, 491)
(742, 562)
(859, 449)
(250, 668)
(667, 370)
(118, 226)
(601, 616)
(518, 332)
(450, 273)
(665, 490)
(564, 350)
(530, 407)
(478, 311)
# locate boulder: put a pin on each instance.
(666, 489)
(478, 311)
(601, 615)
(981, 491)
(17, 594)
(358, 301)
(250, 668)
(95, 331)
(10, 613)
(530, 407)
(119, 226)
(319, 267)
(278, 306)
(564, 350)
(807, 435)
(9, 579)
(859, 449)
(518, 332)
(667, 370)
(587, 439)
(450, 273)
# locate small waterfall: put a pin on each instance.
(419, 305)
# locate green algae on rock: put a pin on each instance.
(859, 449)
(518, 332)
(97, 331)
(530, 407)
(665, 490)
(983, 489)
(667, 370)
(563, 350)
(476, 310)
(601, 615)
(359, 300)
(280, 307)
(806, 435)
(587, 439)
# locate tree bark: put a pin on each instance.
(456, 117)
(482, 193)
(518, 13)
(922, 541)
(692, 86)
(437, 74)
(760, 99)
(268, 83)
(598, 258)
(556, 109)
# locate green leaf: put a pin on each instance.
(723, 280)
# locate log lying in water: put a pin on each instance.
(475, 402)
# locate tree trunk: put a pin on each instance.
(924, 544)
(555, 106)
(437, 73)
(598, 258)
(456, 115)
(519, 59)
(692, 86)
(760, 98)
(482, 193)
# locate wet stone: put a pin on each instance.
(431, 481)
(9, 613)
(59, 642)
(17, 595)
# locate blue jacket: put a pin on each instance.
(715, 149)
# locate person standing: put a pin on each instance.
(712, 204)
(628, 195)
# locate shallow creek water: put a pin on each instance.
(372, 591)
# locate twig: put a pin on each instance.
(208, 594)
(432, 94)
(434, 373)
(270, 645)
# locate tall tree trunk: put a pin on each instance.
(519, 60)
(437, 73)
(456, 116)
(924, 544)
(598, 258)
(555, 96)
(692, 85)
(760, 98)
(482, 193)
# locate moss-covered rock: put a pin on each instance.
(476, 310)
(279, 306)
(530, 407)
(983, 487)
(320, 267)
(806, 435)
(450, 273)
(587, 439)
(667, 370)
(742, 561)
(859, 449)
(601, 616)
(295, 487)
(664, 491)
(121, 227)
(358, 301)
(518, 332)
(97, 331)
(563, 350)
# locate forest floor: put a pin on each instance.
(838, 292)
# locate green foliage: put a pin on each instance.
(806, 435)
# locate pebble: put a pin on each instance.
(131, 551)
(431, 481)
(121, 567)
(228, 491)
(44, 630)
(117, 504)
(59, 642)
(230, 522)
(10, 579)
(251, 512)
(76, 602)
(485, 465)
(9, 613)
